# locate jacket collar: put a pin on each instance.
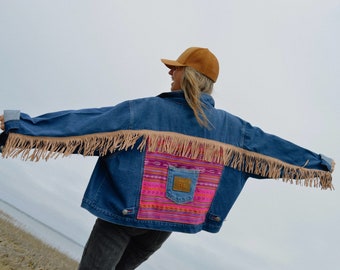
(179, 96)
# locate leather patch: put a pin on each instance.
(181, 184)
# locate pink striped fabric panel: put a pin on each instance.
(154, 204)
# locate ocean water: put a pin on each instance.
(43, 232)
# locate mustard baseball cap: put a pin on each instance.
(201, 59)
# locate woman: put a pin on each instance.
(166, 163)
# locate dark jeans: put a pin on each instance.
(112, 246)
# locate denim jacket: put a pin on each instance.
(157, 168)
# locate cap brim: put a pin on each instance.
(171, 63)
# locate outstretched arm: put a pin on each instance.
(60, 128)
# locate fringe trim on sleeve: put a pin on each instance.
(36, 148)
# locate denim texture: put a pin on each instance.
(113, 191)
(181, 196)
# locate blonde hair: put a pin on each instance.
(193, 84)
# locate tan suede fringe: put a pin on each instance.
(36, 148)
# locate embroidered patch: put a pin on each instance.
(187, 198)
(182, 184)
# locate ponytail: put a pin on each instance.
(193, 84)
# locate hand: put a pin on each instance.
(2, 122)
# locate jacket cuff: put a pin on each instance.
(328, 162)
(11, 115)
(11, 118)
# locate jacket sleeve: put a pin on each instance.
(69, 123)
(65, 132)
(289, 154)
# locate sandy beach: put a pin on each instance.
(21, 250)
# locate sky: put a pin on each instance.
(279, 70)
